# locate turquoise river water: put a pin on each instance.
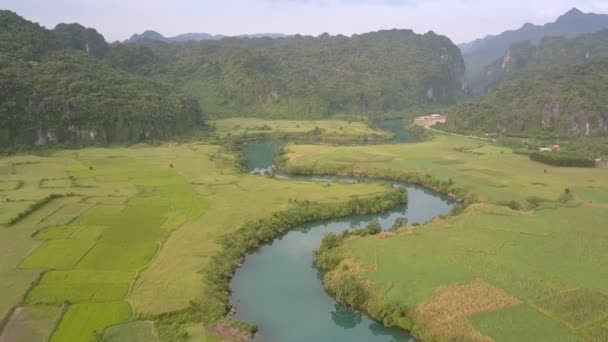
(278, 286)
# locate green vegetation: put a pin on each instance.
(136, 234)
(483, 52)
(105, 105)
(472, 170)
(518, 253)
(550, 52)
(86, 322)
(563, 102)
(51, 91)
(306, 77)
(521, 323)
(314, 131)
(487, 271)
(135, 331)
(252, 235)
(562, 159)
(69, 86)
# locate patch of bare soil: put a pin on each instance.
(444, 317)
(294, 156)
(15, 329)
(230, 333)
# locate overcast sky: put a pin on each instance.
(461, 20)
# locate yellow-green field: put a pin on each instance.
(332, 130)
(491, 273)
(128, 234)
(490, 173)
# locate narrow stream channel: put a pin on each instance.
(280, 289)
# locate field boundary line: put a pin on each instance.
(561, 322)
(4, 321)
(62, 310)
(159, 246)
(39, 229)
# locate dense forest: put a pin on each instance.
(305, 77)
(569, 100)
(550, 52)
(53, 89)
(69, 85)
(480, 53)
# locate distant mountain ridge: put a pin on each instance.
(570, 24)
(550, 52)
(150, 35)
(480, 53)
(567, 100)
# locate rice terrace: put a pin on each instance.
(387, 186)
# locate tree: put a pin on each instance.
(400, 222)
(374, 227)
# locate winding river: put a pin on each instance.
(278, 286)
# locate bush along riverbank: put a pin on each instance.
(448, 187)
(341, 279)
(445, 187)
(213, 309)
(565, 159)
(314, 137)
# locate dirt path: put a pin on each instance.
(428, 123)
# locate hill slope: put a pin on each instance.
(566, 101)
(308, 77)
(549, 53)
(150, 35)
(52, 91)
(479, 53)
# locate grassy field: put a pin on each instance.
(129, 332)
(331, 130)
(490, 173)
(491, 273)
(128, 233)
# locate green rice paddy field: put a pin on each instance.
(490, 273)
(97, 243)
(334, 130)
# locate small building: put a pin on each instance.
(556, 148)
(545, 149)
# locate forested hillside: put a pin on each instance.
(53, 90)
(482, 52)
(570, 100)
(131, 91)
(306, 77)
(549, 53)
(150, 35)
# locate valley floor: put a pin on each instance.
(537, 273)
(99, 243)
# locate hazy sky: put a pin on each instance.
(461, 20)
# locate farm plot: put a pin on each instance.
(31, 323)
(86, 322)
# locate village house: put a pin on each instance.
(554, 148)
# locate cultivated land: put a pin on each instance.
(327, 130)
(488, 172)
(491, 273)
(100, 238)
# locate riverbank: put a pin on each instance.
(314, 131)
(141, 276)
(491, 270)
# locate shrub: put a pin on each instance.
(562, 159)
(399, 222)
(350, 292)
